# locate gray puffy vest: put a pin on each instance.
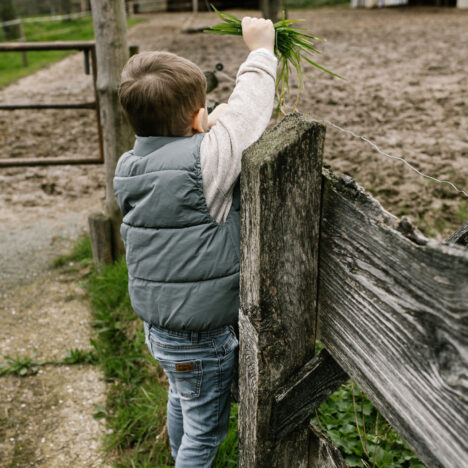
(183, 266)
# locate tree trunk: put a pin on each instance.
(111, 53)
(8, 13)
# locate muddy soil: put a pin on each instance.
(405, 89)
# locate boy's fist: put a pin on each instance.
(258, 33)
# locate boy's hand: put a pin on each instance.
(258, 33)
(213, 117)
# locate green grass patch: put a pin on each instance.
(135, 407)
(81, 252)
(24, 366)
(11, 63)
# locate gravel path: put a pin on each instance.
(46, 419)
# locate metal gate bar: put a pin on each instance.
(87, 47)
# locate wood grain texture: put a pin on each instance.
(248, 388)
(100, 237)
(296, 401)
(460, 236)
(393, 311)
(323, 453)
(280, 198)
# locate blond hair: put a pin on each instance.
(160, 93)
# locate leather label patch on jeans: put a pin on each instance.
(184, 367)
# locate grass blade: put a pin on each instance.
(292, 44)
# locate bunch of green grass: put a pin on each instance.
(292, 45)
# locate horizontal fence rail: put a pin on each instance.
(393, 311)
(52, 45)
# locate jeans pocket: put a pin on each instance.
(231, 344)
(186, 376)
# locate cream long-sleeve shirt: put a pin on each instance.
(245, 119)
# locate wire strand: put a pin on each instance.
(390, 156)
(399, 158)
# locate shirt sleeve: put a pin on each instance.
(246, 118)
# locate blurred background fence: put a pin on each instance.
(13, 13)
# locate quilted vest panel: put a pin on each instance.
(183, 266)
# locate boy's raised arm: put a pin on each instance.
(243, 120)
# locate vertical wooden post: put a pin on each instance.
(110, 31)
(271, 9)
(23, 39)
(66, 9)
(100, 236)
(281, 196)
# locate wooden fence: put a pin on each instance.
(322, 259)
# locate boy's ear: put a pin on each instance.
(198, 122)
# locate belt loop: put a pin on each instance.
(194, 336)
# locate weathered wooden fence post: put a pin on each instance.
(110, 31)
(100, 236)
(281, 195)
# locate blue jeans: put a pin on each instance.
(199, 366)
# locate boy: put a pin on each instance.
(178, 190)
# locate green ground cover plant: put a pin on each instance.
(136, 402)
(363, 436)
(27, 365)
(11, 63)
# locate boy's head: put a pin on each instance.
(162, 95)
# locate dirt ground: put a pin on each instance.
(405, 89)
